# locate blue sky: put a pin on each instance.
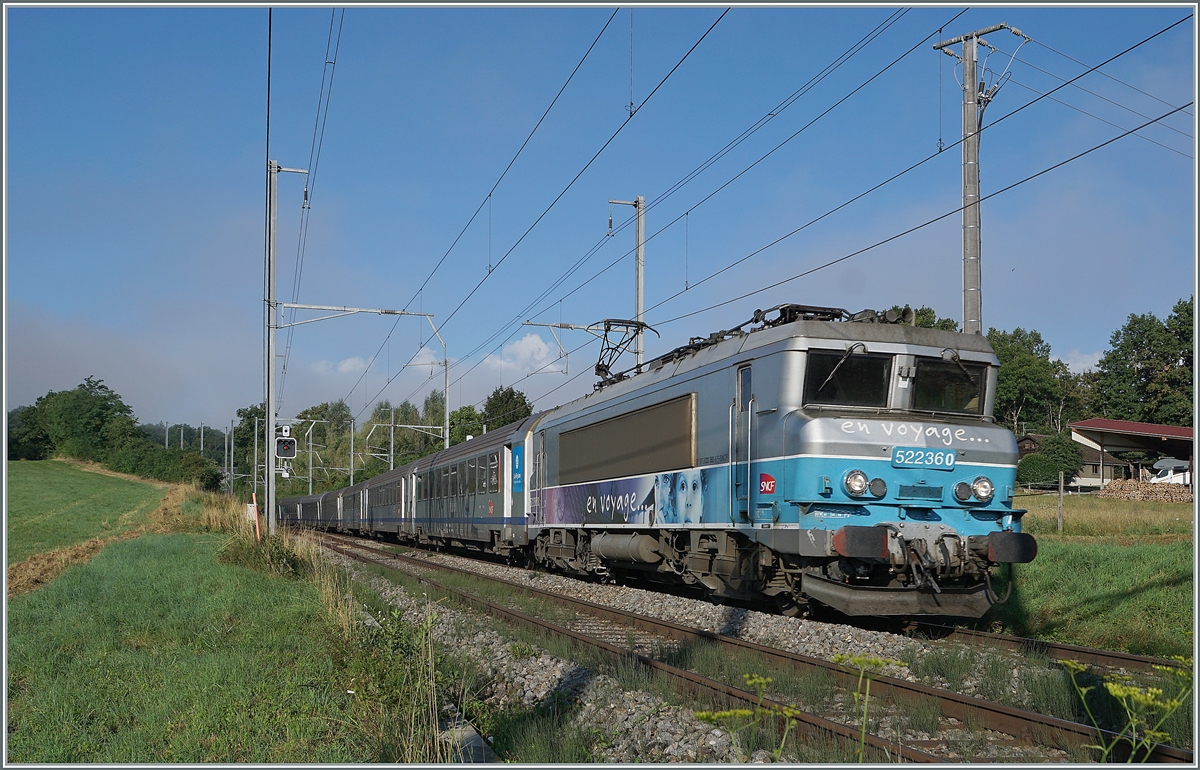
(135, 155)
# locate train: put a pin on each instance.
(811, 457)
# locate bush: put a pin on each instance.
(1037, 468)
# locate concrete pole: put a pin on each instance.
(351, 451)
(201, 439)
(972, 310)
(166, 435)
(269, 437)
(255, 469)
(445, 398)
(392, 441)
(640, 301)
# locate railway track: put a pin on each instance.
(626, 634)
(1110, 659)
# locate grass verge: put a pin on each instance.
(1096, 592)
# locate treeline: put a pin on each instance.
(331, 431)
(1144, 376)
(91, 422)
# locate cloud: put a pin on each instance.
(1081, 362)
(523, 356)
(354, 364)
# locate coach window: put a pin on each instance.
(481, 477)
(493, 473)
(453, 481)
(462, 477)
(471, 476)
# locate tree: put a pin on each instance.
(1146, 376)
(1036, 468)
(1064, 453)
(505, 405)
(27, 439)
(465, 421)
(75, 420)
(1026, 384)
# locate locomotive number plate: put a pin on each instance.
(918, 457)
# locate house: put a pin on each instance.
(1089, 469)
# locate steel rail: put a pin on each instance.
(1054, 650)
(1036, 728)
(696, 684)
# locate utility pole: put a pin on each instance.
(392, 440)
(166, 435)
(273, 169)
(351, 451)
(255, 469)
(975, 101)
(639, 302)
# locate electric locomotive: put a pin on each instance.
(810, 455)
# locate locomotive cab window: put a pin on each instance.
(949, 386)
(847, 378)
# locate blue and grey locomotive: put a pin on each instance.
(809, 455)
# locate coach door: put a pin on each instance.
(742, 492)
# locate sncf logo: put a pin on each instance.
(766, 484)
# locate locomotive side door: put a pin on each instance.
(742, 490)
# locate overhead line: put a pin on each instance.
(907, 170)
(931, 221)
(573, 180)
(777, 147)
(758, 124)
(484, 201)
(587, 165)
(314, 160)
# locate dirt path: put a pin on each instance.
(92, 467)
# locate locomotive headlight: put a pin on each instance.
(962, 491)
(878, 487)
(856, 483)
(983, 489)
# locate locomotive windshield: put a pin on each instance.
(847, 378)
(949, 386)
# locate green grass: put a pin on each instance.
(1089, 515)
(1105, 592)
(52, 504)
(153, 652)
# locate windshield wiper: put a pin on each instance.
(842, 360)
(955, 358)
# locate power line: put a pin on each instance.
(1105, 74)
(1093, 93)
(572, 182)
(314, 159)
(757, 125)
(929, 222)
(588, 164)
(486, 200)
(1102, 120)
(907, 170)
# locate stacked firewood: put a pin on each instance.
(1127, 489)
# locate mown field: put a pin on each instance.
(53, 504)
(1121, 576)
